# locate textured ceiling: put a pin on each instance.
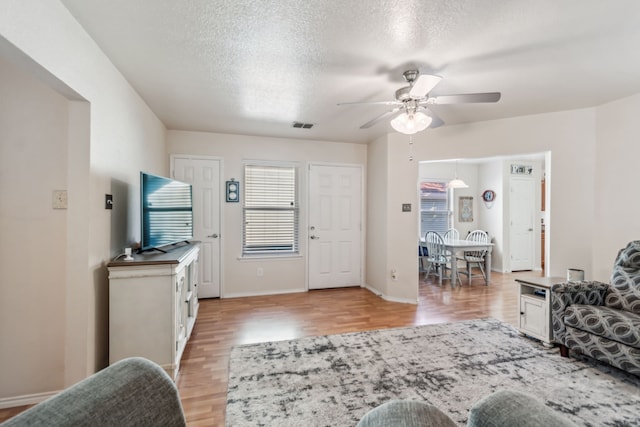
(254, 67)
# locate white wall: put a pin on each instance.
(392, 243)
(571, 138)
(615, 182)
(109, 139)
(33, 163)
(402, 187)
(376, 262)
(491, 214)
(279, 274)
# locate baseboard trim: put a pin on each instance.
(259, 294)
(388, 298)
(27, 399)
(293, 291)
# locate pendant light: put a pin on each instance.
(457, 183)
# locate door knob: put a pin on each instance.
(213, 236)
(314, 237)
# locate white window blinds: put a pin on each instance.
(434, 207)
(270, 210)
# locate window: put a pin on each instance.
(270, 212)
(434, 207)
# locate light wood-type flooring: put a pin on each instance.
(224, 323)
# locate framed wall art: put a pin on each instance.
(465, 209)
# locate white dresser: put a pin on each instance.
(153, 304)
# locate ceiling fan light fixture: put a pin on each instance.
(411, 124)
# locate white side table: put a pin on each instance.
(535, 307)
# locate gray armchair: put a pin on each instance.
(602, 320)
(131, 392)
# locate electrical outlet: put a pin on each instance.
(59, 199)
(259, 272)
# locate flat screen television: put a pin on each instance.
(167, 211)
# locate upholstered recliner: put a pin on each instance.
(602, 320)
(133, 392)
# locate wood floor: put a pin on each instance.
(225, 323)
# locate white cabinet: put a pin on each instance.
(535, 307)
(534, 316)
(153, 305)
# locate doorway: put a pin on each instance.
(494, 216)
(203, 173)
(335, 226)
(521, 222)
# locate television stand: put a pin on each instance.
(153, 305)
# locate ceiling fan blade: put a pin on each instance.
(465, 98)
(423, 85)
(379, 118)
(372, 103)
(435, 120)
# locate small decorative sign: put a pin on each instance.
(233, 191)
(521, 169)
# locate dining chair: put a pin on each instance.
(451, 234)
(422, 256)
(437, 258)
(476, 257)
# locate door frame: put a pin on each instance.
(172, 158)
(363, 224)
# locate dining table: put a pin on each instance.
(458, 246)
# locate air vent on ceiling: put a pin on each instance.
(300, 125)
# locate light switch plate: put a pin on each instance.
(59, 199)
(406, 207)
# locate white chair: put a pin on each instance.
(476, 257)
(437, 258)
(422, 257)
(451, 234)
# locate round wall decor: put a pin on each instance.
(489, 195)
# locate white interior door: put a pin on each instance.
(335, 226)
(204, 176)
(521, 201)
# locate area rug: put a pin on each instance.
(334, 380)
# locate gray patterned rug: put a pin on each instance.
(334, 380)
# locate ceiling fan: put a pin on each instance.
(410, 113)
